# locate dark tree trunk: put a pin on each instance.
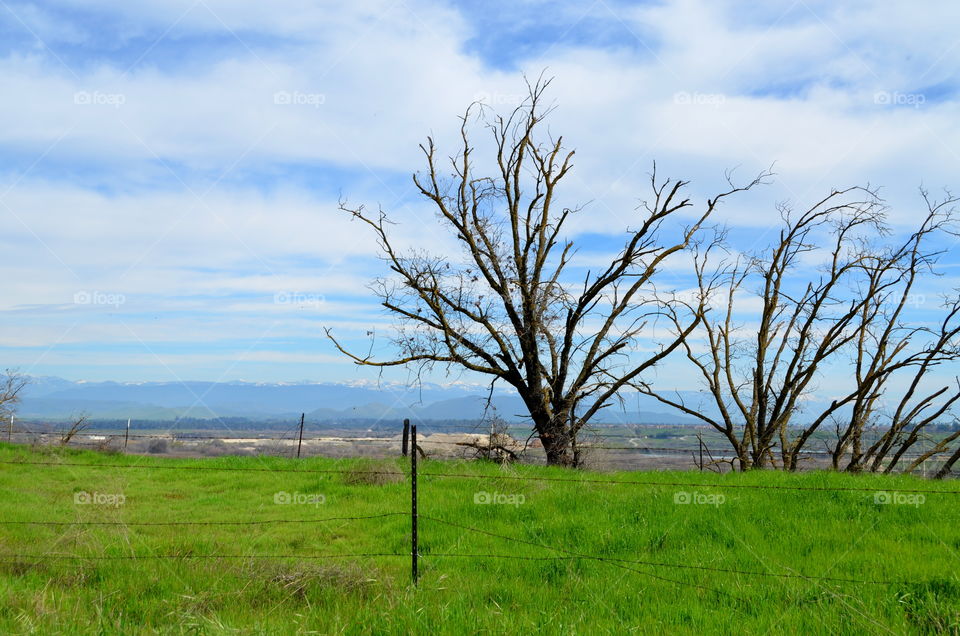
(557, 440)
(948, 465)
(558, 453)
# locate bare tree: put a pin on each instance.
(11, 387)
(760, 376)
(499, 446)
(80, 424)
(509, 307)
(950, 461)
(890, 349)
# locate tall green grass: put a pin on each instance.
(914, 547)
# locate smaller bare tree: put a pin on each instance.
(499, 445)
(76, 427)
(11, 388)
(889, 349)
(759, 378)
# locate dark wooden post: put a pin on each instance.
(126, 435)
(300, 443)
(700, 440)
(406, 436)
(413, 506)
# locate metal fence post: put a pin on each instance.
(300, 443)
(406, 436)
(700, 442)
(413, 506)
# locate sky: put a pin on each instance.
(170, 170)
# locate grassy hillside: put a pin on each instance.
(264, 582)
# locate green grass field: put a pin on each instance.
(265, 582)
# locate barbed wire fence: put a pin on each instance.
(650, 568)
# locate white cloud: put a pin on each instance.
(712, 86)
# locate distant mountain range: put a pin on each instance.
(58, 399)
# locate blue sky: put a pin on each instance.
(169, 170)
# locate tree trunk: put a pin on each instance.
(556, 445)
(558, 453)
(557, 440)
(948, 465)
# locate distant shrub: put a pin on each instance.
(665, 435)
(215, 448)
(109, 446)
(158, 446)
(275, 449)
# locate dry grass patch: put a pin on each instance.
(373, 474)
